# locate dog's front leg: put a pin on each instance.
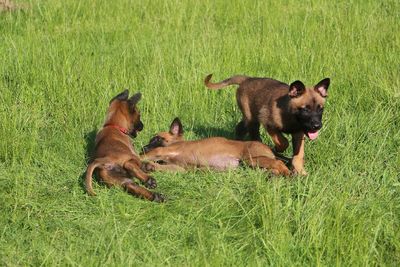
(154, 166)
(280, 142)
(156, 154)
(298, 153)
(132, 166)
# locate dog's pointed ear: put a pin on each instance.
(296, 89)
(135, 99)
(322, 87)
(121, 96)
(176, 127)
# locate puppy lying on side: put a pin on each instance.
(216, 153)
(114, 156)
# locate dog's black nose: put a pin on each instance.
(316, 126)
(139, 126)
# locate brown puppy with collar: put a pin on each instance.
(115, 157)
(280, 108)
(217, 153)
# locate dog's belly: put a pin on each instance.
(115, 169)
(222, 162)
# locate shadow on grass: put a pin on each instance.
(90, 138)
(206, 131)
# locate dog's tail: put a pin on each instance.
(89, 173)
(238, 79)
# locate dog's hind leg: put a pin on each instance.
(241, 130)
(251, 127)
(254, 131)
(137, 190)
(117, 178)
(277, 167)
(257, 154)
(134, 169)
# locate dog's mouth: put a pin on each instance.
(312, 135)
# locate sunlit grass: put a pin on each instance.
(62, 61)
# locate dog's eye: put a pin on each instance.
(304, 109)
(159, 139)
(155, 139)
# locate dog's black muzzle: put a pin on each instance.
(154, 143)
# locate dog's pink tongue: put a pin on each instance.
(313, 135)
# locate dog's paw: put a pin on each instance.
(151, 183)
(281, 147)
(301, 172)
(283, 170)
(148, 167)
(159, 198)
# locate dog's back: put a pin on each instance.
(109, 141)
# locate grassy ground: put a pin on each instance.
(61, 62)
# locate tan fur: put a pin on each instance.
(267, 102)
(7, 5)
(115, 157)
(216, 153)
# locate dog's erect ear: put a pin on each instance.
(322, 87)
(296, 89)
(121, 96)
(176, 127)
(135, 99)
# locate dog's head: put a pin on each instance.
(124, 113)
(163, 139)
(307, 104)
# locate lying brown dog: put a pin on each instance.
(280, 108)
(114, 154)
(216, 153)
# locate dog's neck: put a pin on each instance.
(116, 120)
(121, 129)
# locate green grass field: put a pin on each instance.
(62, 61)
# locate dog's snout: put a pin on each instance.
(316, 125)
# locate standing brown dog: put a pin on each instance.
(280, 108)
(115, 156)
(217, 153)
